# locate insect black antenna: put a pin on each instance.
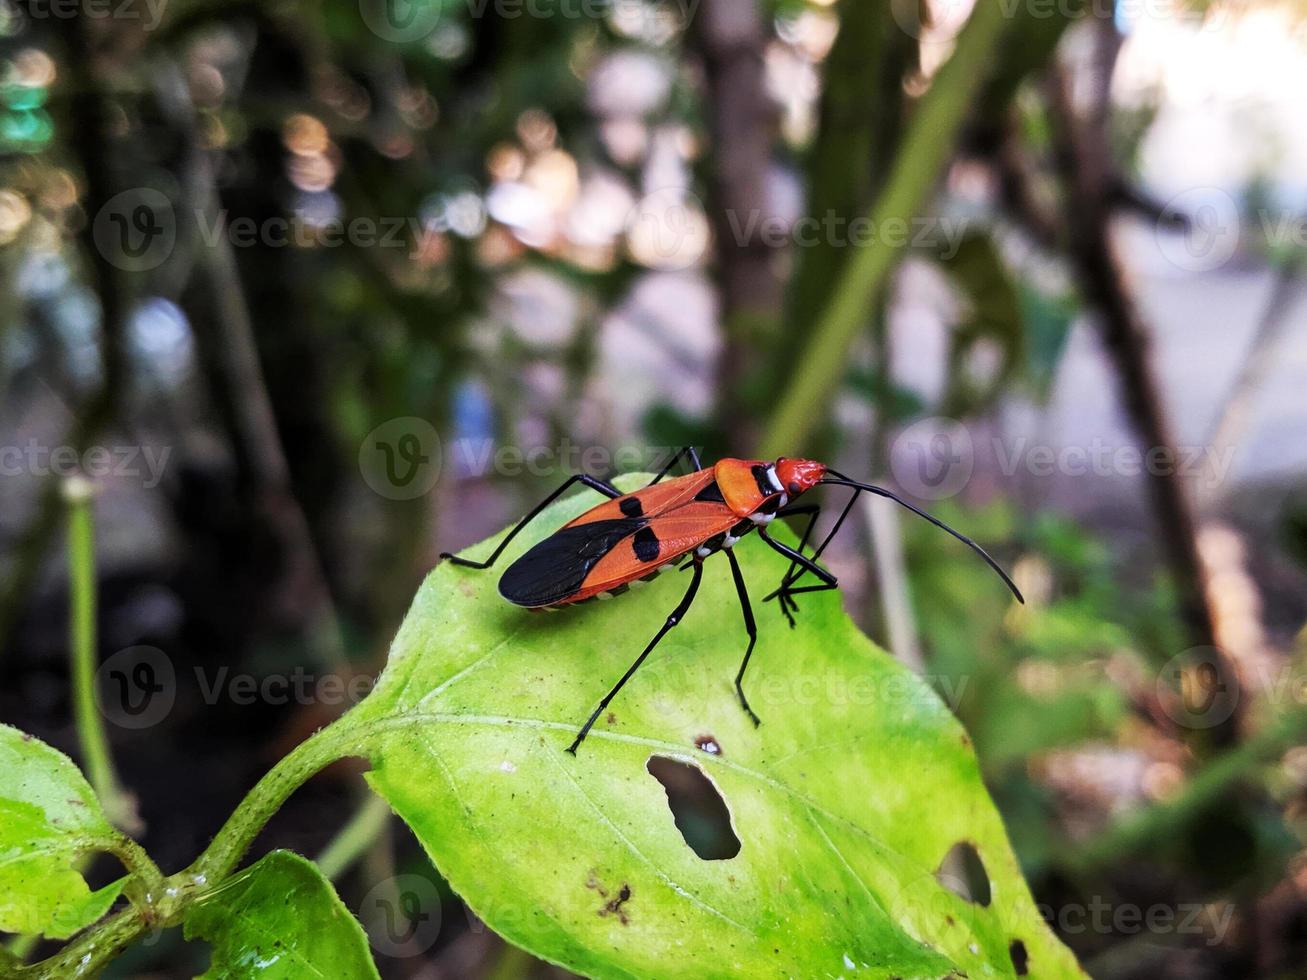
(844, 481)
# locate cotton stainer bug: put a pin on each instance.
(631, 537)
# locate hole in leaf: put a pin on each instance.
(1020, 958)
(963, 873)
(700, 813)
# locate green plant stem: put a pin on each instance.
(118, 806)
(926, 147)
(313, 754)
(20, 947)
(1163, 820)
(354, 838)
(135, 860)
(86, 955)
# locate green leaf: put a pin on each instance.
(49, 819)
(279, 918)
(845, 801)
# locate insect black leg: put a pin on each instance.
(750, 627)
(683, 451)
(672, 620)
(785, 593)
(813, 511)
(607, 489)
(803, 561)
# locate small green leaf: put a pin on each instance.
(49, 818)
(844, 803)
(279, 918)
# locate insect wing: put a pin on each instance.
(557, 567)
(658, 541)
(651, 501)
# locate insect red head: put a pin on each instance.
(798, 475)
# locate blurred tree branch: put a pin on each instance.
(95, 147)
(926, 147)
(730, 37)
(1165, 821)
(1082, 156)
(223, 327)
(861, 117)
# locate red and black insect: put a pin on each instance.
(631, 537)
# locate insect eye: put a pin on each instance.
(794, 488)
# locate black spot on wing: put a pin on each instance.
(632, 507)
(556, 567)
(646, 544)
(712, 493)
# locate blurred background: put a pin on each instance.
(312, 291)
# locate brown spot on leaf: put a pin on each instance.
(708, 744)
(614, 906)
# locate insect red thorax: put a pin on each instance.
(749, 484)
